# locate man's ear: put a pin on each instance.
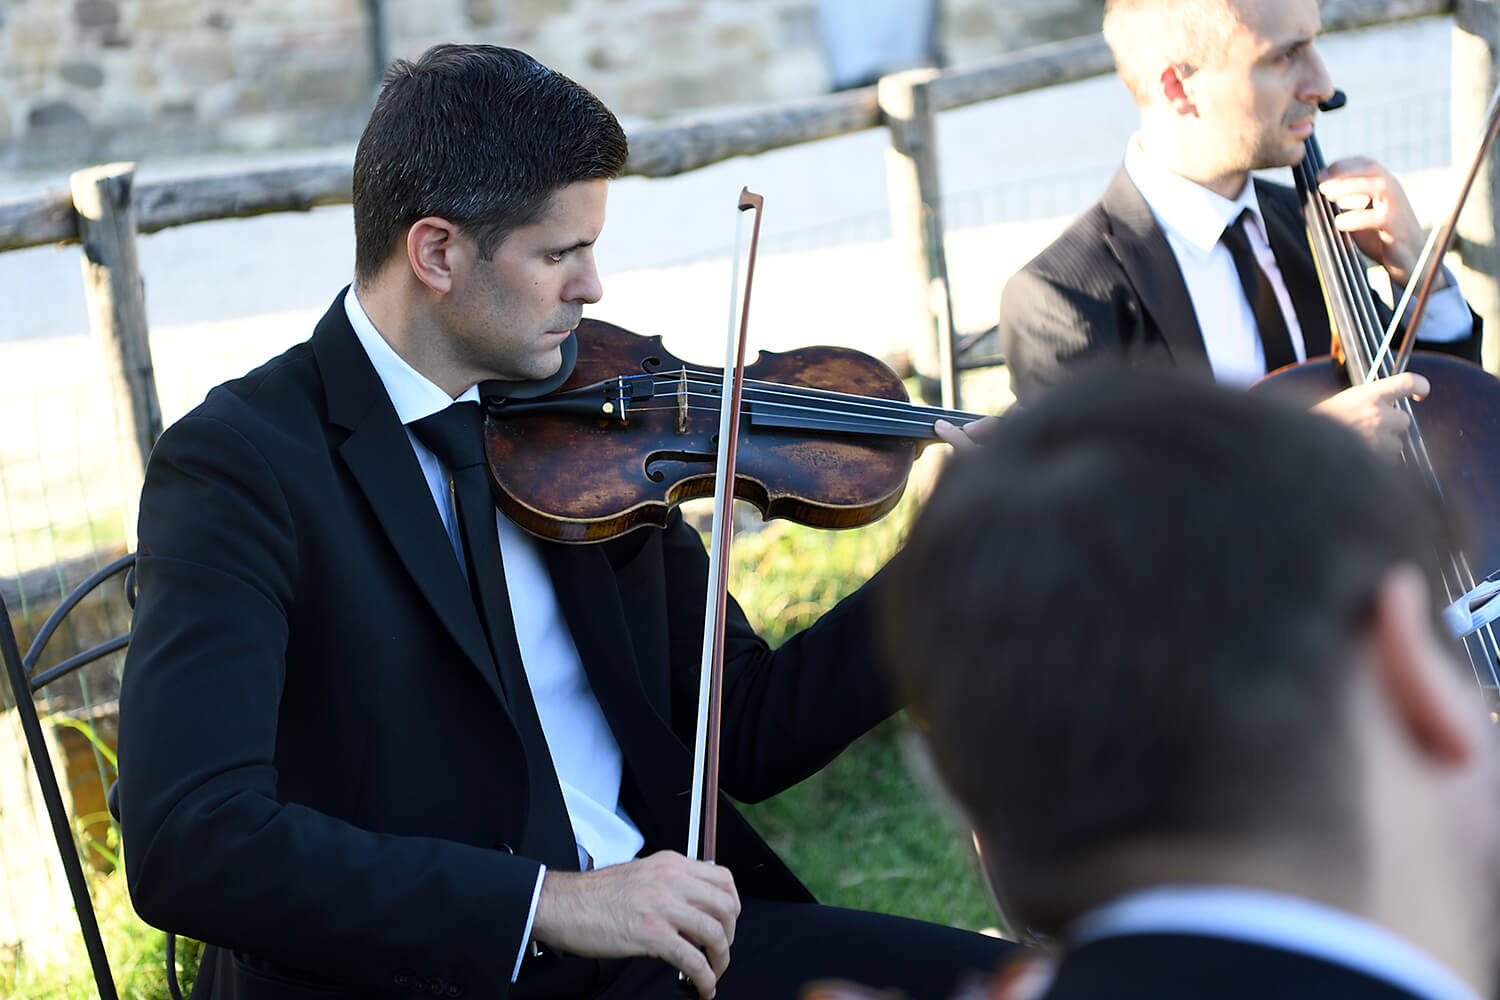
(1173, 89)
(1415, 670)
(433, 250)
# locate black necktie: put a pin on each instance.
(456, 437)
(1274, 339)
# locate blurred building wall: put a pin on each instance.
(105, 79)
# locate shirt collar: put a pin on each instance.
(1289, 923)
(1196, 215)
(413, 394)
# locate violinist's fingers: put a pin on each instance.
(665, 905)
(967, 435)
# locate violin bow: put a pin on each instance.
(703, 817)
(1430, 263)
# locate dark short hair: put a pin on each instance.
(479, 135)
(1128, 619)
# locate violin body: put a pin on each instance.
(588, 476)
(1460, 421)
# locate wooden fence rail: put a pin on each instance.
(655, 151)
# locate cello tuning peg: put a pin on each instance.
(1333, 103)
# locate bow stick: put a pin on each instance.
(703, 818)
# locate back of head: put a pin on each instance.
(1149, 35)
(1126, 622)
(479, 135)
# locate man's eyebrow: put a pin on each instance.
(578, 246)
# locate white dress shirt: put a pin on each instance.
(1288, 923)
(1194, 219)
(583, 748)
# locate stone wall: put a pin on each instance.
(90, 80)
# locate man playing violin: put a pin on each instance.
(1185, 261)
(353, 773)
(1255, 765)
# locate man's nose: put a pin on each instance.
(586, 287)
(1317, 86)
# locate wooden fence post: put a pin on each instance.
(103, 199)
(1476, 44)
(908, 108)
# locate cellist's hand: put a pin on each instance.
(1386, 230)
(1370, 409)
(665, 906)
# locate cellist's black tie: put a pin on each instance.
(1275, 341)
(456, 437)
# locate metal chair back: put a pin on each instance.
(25, 683)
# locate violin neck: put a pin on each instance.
(796, 408)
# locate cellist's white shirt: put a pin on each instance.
(1194, 218)
(584, 751)
(1288, 923)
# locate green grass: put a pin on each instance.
(861, 833)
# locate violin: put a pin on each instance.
(1449, 441)
(828, 438)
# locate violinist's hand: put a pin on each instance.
(665, 906)
(1370, 409)
(1386, 230)
(967, 435)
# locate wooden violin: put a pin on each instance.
(828, 438)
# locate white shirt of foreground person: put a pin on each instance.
(1194, 218)
(583, 748)
(1288, 923)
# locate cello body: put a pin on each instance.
(1460, 424)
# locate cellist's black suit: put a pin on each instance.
(1109, 289)
(318, 769)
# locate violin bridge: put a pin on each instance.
(682, 401)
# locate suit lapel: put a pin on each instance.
(379, 456)
(1288, 237)
(1142, 249)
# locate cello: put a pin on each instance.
(1447, 440)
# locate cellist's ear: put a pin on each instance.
(1173, 84)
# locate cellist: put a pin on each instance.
(376, 742)
(1186, 261)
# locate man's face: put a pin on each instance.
(507, 317)
(1256, 104)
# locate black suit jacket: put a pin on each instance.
(1194, 967)
(1109, 289)
(318, 768)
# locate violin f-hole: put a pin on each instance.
(654, 463)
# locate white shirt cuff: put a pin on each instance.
(536, 897)
(1447, 317)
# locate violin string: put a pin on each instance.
(1361, 320)
(892, 419)
(824, 402)
(812, 392)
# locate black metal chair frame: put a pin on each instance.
(25, 683)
